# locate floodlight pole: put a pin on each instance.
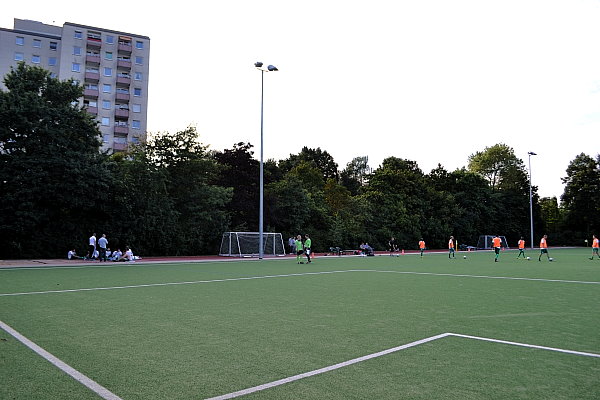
(531, 153)
(259, 66)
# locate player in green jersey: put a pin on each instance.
(299, 249)
(307, 244)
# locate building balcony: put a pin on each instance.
(121, 130)
(92, 110)
(125, 48)
(121, 113)
(91, 93)
(123, 81)
(122, 97)
(92, 59)
(92, 77)
(119, 146)
(94, 42)
(125, 64)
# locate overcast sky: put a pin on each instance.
(432, 81)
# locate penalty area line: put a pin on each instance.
(389, 351)
(64, 367)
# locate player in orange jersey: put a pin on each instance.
(595, 247)
(496, 244)
(451, 247)
(422, 246)
(521, 247)
(544, 248)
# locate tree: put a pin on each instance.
(355, 175)
(580, 198)
(321, 159)
(499, 165)
(53, 175)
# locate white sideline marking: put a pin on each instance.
(531, 346)
(298, 274)
(385, 352)
(325, 369)
(78, 376)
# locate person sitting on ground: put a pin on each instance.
(128, 256)
(117, 254)
(72, 255)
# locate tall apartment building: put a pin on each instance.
(112, 66)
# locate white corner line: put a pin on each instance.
(325, 369)
(531, 346)
(67, 369)
(385, 352)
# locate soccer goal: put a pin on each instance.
(485, 242)
(245, 244)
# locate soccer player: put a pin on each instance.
(521, 243)
(307, 244)
(451, 247)
(393, 246)
(497, 244)
(422, 246)
(595, 247)
(544, 248)
(299, 249)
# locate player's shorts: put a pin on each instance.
(307, 250)
(497, 250)
(300, 252)
(542, 251)
(595, 250)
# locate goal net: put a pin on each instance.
(485, 242)
(245, 244)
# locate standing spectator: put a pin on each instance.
(91, 246)
(307, 245)
(497, 244)
(521, 243)
(451, 247)
(102, 244)
(299, 249)
(393, 246)
(292, 244)
(422, 246)
(544, 248)
(595, 247)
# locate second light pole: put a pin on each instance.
(531, 153)
(270, 68)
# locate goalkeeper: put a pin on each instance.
(299, 249)
(307, 244)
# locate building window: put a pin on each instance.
(107, 71)
(95, 36)
(105, 121)
(53, 46)
(37, 43)
(36, 59)
(139, 45)
(19, 57)
(20, 41)
(136, 108)
(52, 61)
(137, 76)
(136, 124)
(78, 35)
(76, 50)
(106, 104)
(139, 60)
(76, 67)
(91, 86)
(137, 92)
(106, 88)
(105, 138)
(110, 39)
(108, 55)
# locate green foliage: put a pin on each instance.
(580, 198)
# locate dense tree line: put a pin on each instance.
(173, 196)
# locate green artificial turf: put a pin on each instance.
(198, 331)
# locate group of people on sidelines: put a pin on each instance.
(301, 247)
(98, 250)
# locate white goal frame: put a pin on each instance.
(245, 244)
(485, 242)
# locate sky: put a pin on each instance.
(433, 81)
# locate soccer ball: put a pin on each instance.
(551, 259)
(465, 257)
(528, 258)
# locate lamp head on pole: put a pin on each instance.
(531, 153)
(260, 66)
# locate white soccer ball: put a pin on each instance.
(528, 258)
(551, 259)
(464, 256)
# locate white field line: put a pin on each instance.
(385, 352)
(325, 369)
(295, 275)
(67, 369)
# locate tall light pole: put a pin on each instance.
(262, 70)
(531, 153)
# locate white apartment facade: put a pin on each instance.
(112, 66)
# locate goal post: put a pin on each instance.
(485, 242)
(246, 244)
